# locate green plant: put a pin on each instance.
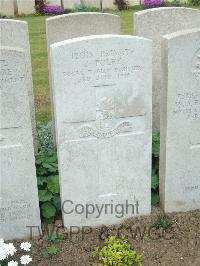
(55, 239)
(121, 4)
(155, 169)
(117, 252)
(49, 252)
(48, 185)
(176, 3)
(194, 2)
(84, 8)
(162, 222)
(45, 138)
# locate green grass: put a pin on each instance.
(37, 34)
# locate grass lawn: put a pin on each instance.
(40, 64)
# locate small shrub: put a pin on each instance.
(48, 185)
(121, 4)
(49, 252)
(195, 2)
(52, 10)
(176, 3)
(39, 5)
(84, 8)
(117, 252)
(163, 222)
(45, 138)
(153, 3)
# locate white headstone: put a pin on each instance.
(19, 205)
(7, 8)
(69, 4)
(103, 123)
(54, 2)
(153, 24)
(65, 27)
(15, 33)
(26, 7)
(180, 122)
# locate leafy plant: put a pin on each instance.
(48, 185)
(153, 3)
(176, 3)
(53, 10)
(121, 4)
(155, 169)
(163, 222)
(55, 239)
(195, 2)
(117, 252)
(84, 8)
(50, 251)
(45, 138)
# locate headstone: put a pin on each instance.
(26, 7)
(19, 205)
(15, 33)
(65, 27)
(180, 122)
(103, 123)
(68, 4)
(7, 8)
(153, 24)
(54, 2)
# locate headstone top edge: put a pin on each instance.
(156, 10)
(81, 14)
(181, 33)
(13, 21)
(96, 37)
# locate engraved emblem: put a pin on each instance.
(103, 128)
(88, 131)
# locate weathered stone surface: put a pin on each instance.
(26, 7)
(19, 205)
(65, 27)
(180, 122)
(15, 33)
(54, 2)
(153, 24)
(103, 121)
(7, 8)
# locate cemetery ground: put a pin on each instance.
(172, 239)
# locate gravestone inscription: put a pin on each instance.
(15, 33)
(153, 24)
(180, 122)
(70, 26)
(19, 205)
(103, 121)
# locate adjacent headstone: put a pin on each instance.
(19, 205)
(15, 33)
(153, 24)
(7, 8)
(180, 122)
(65, 27)
(26, 7)
(54, 2)
(103, 121)
(68, 4)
